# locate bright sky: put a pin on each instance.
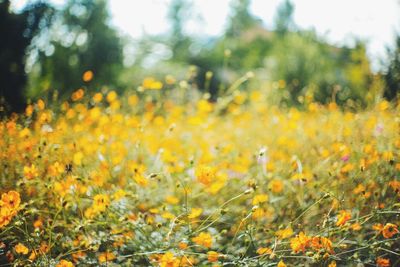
(338, 20)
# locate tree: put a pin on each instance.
(17, 32)
(82, 40)
(284, 18)
(392, 75)
(178, 40)
(241, 19)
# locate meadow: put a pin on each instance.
(170, 178)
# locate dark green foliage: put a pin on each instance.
(392, 75)
(17, 31)
(89, 43)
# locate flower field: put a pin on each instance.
(149, 179)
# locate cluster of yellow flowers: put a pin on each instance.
(152, 179)
(9, 206)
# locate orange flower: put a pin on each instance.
(97, 97)
(281, 264)
(395, 185)
(78, 95)
(29, 110)
(44, 248)
(203, 239)
(389, 230)
(87, 76)
(356, 227)
(378, 227)
(212, 256)
(65, 263)
(382, 262)
(318, 243)
(21, 249)
(182, 245)
(276, 186)
(5, 216)
(10, 200)
(106, 257)
(32, 256)
(343, 217)
(205, 174)
(299, 243)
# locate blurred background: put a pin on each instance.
(347, 52)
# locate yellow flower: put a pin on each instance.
(10, 200)
(78, 156)
(101, 202)
(152, 84)
(343, 217)
(65, 263)
(203, 239)
(299, 243)
(21, 249)
(111, 96)
(119, 194)
(281, 264)
(106, 257)
(169, 260)
(260, 199)
(168, 215)
(212, 256)
(383, 105)
(204, 106)
(284, 233)
(24, 133)
(6, 216)
(55, 169)
(172, 200)
(205, 174)
(264, 251)
(258, 213)
(195, 212)
(41, 105)
(29, 110)
(133, 100)
(30, 172)
(140, 180)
